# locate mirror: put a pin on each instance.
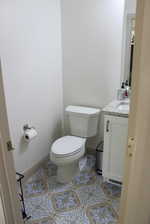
(129, 47)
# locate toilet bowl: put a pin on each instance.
(65, 153)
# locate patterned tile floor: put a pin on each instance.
(85, 200)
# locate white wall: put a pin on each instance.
(92, 46)
(30, 48)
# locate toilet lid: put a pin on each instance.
(67, 145)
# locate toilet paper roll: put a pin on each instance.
(30, 134)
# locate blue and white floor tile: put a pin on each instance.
(36, 185)
(84, 178)
(85, 200)
(50, 168)
(111, 190)
(47, 220)
(54, 186)
(65, 201)
(87, 163)
(76, 216)
(39, 207)
(101, 213)
(90, 195)
(115, 205)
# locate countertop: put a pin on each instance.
(112, 108)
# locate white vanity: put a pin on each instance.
(115, 139)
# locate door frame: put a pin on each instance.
(135, 200)
(8, 185)
(127, 56)
(130, 205)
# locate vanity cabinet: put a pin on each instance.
(115, 144)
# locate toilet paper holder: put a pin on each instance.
(26, 127)
(29, 133)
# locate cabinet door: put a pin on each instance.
(115, 141)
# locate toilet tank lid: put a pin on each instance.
(82, 110)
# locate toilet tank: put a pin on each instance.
(83, 121)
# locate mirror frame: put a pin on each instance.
(127, 49)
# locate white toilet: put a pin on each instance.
(66, 151)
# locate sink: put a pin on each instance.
(118, 107)
(123, 106)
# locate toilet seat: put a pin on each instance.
(67, 146)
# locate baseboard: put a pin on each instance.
(29, 172)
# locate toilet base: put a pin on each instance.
(65, 173)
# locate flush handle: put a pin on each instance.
(107, 126)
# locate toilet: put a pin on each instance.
(68, 150)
